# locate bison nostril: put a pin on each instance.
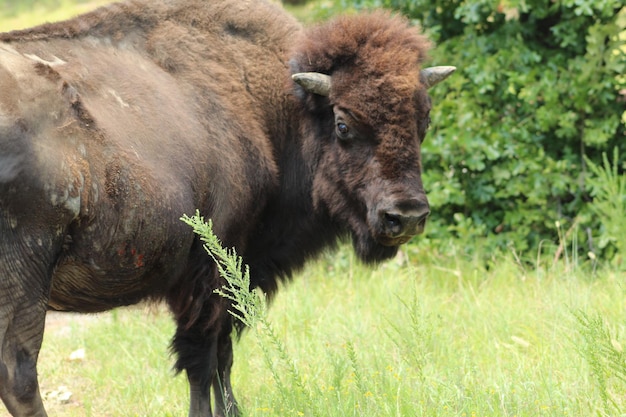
(392, 222)
(397, 224)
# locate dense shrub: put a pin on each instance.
(540, 86)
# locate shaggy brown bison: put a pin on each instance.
(115, 123)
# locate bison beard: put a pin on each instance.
(371, 251)
(117, 122)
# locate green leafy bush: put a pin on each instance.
(540, 86)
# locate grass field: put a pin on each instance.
(428, 334)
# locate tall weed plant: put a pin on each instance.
(608, 189)
(606, 359)
(250, 307)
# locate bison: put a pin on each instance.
(117, 122)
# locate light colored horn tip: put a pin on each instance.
(313, 82)
(442, 71)
(434, 75)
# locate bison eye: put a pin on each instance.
(343, 130)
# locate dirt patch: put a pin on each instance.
(61, 323)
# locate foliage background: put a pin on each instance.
(540, 86)
(19, 14)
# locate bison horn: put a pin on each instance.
(313, 82)
(434, 75)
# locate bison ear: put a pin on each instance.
(434, 75)
(313, 82)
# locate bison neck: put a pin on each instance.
(291, 230)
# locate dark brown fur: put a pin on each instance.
(114, 124)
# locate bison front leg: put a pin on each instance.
(196, 355)
(225, 404)
(196, 349)
(19, 388)
(205, 354)
(21, 333)
(25, 271)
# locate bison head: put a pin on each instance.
(360, 81)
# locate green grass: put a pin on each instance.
(20, 14)
(126, 369)
(432, 335)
